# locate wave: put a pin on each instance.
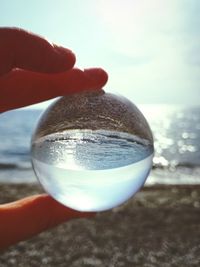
(188, 165)
(9, 166)
(28, 165)
(18, 153)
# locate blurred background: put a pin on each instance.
(151, 50)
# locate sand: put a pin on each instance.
(160, 226)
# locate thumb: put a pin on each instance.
(22, 219)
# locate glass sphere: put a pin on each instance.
(92, 151)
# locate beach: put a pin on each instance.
(158, 227)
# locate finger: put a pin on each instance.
(22, 88)
(21, 49)
(25, 218)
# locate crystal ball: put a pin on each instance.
(92, 151)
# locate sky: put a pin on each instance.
(150, 48)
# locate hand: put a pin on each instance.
(33, 70)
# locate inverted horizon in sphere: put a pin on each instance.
(94, 148)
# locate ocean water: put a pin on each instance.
(91, 149)
(85, 161)
(176, 131)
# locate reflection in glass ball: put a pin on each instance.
(92, 151)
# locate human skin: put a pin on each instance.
(33, 70)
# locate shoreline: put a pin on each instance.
(163, 176)
(159, 226)
(13, 191)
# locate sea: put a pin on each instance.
(176, 132)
